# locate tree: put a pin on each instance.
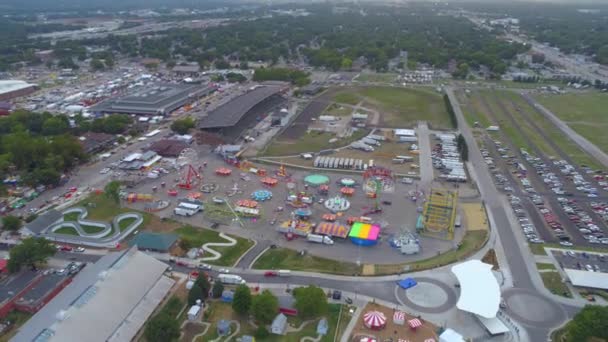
(204, 284)
(31, 252)
(261, 332)
(222, 64)
(347, 63)
(170, 64)
(264, 307)
(112, 191)
(310, 301)
(55, 125)
(182, 126)
(195, 294)
(162, 328)
(11, 223)
(462, 71)
(587, 324)
(96, 64)
(241, 302)
(217, 290)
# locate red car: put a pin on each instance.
(66, 248)
(73, 189)
(270, 274)
(181, 263)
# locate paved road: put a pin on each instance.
(519, 265)
(581, 141)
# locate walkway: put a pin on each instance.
(216, 255)
(426, 163)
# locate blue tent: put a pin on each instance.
(407, 283)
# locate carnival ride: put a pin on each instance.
(337, 204)
(261, 195)
(189, 179)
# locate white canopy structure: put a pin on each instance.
(597, 280)
(479, 290)
(450, 335)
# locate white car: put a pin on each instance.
(104, 170)
(566, 243)
(79, 249)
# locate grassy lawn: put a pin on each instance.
(400, 107)
(66, 231)
(71, 217)
(504, 123)
(474, 112)
(377, 77)
(537, 249)
(200, 236)
(542, 266)
(218, 310)
(18, 319)
(338, 110)
(472, 241)
(553, 282)
(281, 258)
(310, 142)
(584, 112)
(122, 225)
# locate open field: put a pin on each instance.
(553, 282)
(310, 142)
(399, 107)
(281, 258)
(196, 237)
(376, 77)
(541, 266)
(584, 112)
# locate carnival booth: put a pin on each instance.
(347, 182)
(374, 320)
(269, 181)
(399, 317)
(329, 217)
(324, 189)
(223, 171)
(414, 323)
(364, 234)
(331, 229)
(133, 197)
(246, 203)
(346, 191)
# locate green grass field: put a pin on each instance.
(377, 77)
(542, 266)
(310, 142)
(199, 236)
(553, 282)
(281, 258)
(584, 112)
(400, 107)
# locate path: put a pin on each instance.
(216, 255)
(311, 339)
(426, 163)
(581, 141)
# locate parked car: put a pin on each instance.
(271, 274)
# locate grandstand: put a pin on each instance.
(439, 214)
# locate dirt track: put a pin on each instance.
(313, 109)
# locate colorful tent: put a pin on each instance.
(364, 234)
(399, 317)
(329, 217)
(346, 191)
(374, 320)
(347, 181)
(332, 229)
(223, 171)
(414, 323)
(324, 188)
(247, 203)
(316, 180)
(269, 181)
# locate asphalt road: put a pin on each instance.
(522, 278)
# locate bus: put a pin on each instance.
(190, 206)
(153, 133)
(458, 221)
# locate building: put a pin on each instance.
(10, 89)
(157, 99)
(156, 242)
(5, 108)
(107, 301)
(587, 279)
(169, 148)
(232, 118)
(279, 324)
(93, 142)
(188, 70)
(41, 223)
(43, 291)
(45, 55)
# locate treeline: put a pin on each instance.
(450, 110)
(527, 79)
(297, 77)
(37, 147)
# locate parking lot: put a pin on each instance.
(592, 262)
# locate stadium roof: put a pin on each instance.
(6, 86)
(230, 113)
(597, 280)
(479, 290)
(107, 301)
(155, 99)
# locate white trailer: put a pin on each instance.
(326, 240)
(184, 212)
(232, 279)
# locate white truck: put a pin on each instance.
(232, 279)
(319, 239)
(184, 211)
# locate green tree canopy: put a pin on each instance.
(162, 328)
(195, 294)
(265, 307)
(182, 126)
(589, 323)
(30, 252)
(310, 301)
(217, 290)
(11, 223)
(241, 302)
(204, 284)
(112, 191)
(96, 64)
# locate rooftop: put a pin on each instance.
(169, 147)
(161, 98)
(47, 284)
(479, 290)
(154, 241)
(6, 86)
(107, 301)
(597, 280)
(230, 113)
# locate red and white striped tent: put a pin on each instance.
(374, 320)
(414, 323)
(399, 317)
(430, 340)
(402, 340)
(368, 339)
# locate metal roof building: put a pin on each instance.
(157, 99)
(14, 88)
(584, 278)
(154, 241)
(107, 301)
(230, 113)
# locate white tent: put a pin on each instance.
(450, 335)
(479, 290)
